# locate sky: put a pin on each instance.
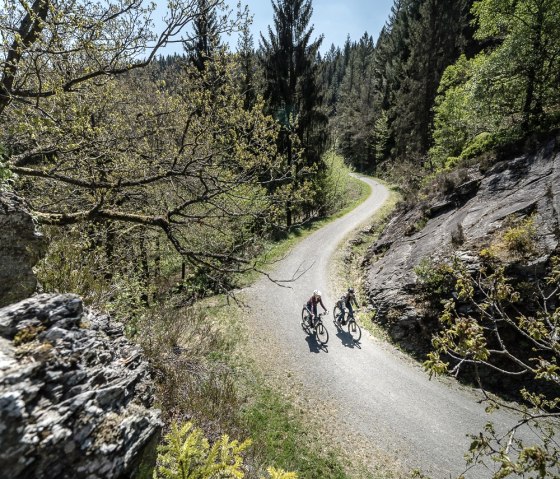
(335, 19)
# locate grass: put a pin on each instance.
(276, 251)
(347, 269)
(284, 440)
(285, 433)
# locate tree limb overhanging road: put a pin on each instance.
(378, 392)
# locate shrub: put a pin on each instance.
(507, 331)
(187, 454)
(451, 162)
(189, 355)
(280, 474)
(478, 145)
(457, 235)
(435, 279)
(5, 173)
(27, 335)
(520, 239)
(408, 178)
(338, 186)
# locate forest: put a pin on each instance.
(163, 181)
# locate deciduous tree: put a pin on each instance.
(491, 324)
(90, 137)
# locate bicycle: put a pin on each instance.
(352, 325)
(318, 328)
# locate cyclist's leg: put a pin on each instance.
(309, 308)
(314, 312)
(350, 310)
(340, 305)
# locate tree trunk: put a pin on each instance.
(109, 249)
(145, 270)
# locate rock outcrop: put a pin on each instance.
(75, 394)
(461, 223)
(21, 246)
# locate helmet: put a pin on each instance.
(351, 290)
(317, 293)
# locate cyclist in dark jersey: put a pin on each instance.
(313, 302)
(346, 302)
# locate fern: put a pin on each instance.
(279, 474)
(186, 454)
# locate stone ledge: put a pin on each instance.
(75, 395)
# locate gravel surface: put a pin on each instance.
(372, 398)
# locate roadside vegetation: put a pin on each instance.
(205, 376)
(350, 260)
(495, 326)
(164, 183)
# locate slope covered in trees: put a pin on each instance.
(384, 90)
(160, 179)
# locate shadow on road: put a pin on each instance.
(314, 346)
(346, 339)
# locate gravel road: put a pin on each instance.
(368, 390)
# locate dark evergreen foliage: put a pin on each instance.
(434, 41)
(206, 36)
(381, 109)
(352, 124)
(247, 67)
(291, 90)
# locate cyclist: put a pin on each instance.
(345, 303)
(312, 303)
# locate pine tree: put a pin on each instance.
(247, 67)
(291, 90)
(354, 122)
(206, 37)
(332, 73)
(435, 40)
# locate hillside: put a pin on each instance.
(463, 213)
(155, 188)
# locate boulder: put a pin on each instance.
(21, 246)
(75, 394)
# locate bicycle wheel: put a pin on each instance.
(336, 313)
(321, 333)
(354, 330)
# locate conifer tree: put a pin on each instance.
(354, 123)
(332, 73)
(247, 67)
(206, 36)
(435, 40)
(291, 90)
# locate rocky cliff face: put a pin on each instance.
(461, 223)
(21, 246)
(75, 395)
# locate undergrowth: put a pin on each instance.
(349, 260)
(273, 252)
(202, 376)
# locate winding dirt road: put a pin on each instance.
(373, 390)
